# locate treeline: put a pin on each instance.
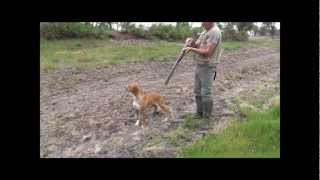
(231, 31)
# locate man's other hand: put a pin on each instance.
(189, 42)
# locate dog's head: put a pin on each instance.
(134, 88)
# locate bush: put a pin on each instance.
(232, 35)
(263, 31)
(241, 36)
(138, 31)
(71, 30)
(196, 30)
(169, 32)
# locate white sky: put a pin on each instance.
(193, 24)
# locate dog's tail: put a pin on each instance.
(164, 107)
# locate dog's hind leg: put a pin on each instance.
(144, 119)
(167, 111)
(156, 110)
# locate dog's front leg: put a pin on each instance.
(138, 117)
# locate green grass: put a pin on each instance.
(91, 53)
(177, 137)
(259, 42)
(259, 137)
(191, 123)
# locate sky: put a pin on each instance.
(193, 24)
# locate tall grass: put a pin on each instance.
(259, 136)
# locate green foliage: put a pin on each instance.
(169, 32)
(263, 30)
(255, 29)
(268, 27)
(232, 35)
(138, 31)
(244, 26)
(59, 30)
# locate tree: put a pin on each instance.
(229, 26)
(270, 27)
(244, 26)
(182, 24)
(273, 30)
(255, 29)
(219, 25)
(108, 25)
(124, 26)
(117, 26)
(263, 30)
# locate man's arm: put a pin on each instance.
(212, 42)
(205, 51)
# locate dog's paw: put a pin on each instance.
(137, 123)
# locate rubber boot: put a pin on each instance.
(207, 113)
(199, 107)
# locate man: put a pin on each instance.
(206, 50)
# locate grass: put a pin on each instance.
(178, 136)
(259, 137)
(258, 42)
(91, 53)
(191, 123)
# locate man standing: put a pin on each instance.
(206, 51)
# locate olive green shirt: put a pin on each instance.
(211, 36)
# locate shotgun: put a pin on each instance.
(182, 53)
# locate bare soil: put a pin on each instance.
(87, 113)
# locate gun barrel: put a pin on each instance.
(174, 67)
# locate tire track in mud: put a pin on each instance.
(87, 113)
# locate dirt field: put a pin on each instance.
(88, 113)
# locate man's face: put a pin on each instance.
(207, 25)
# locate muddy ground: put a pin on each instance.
(88, 113)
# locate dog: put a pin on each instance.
(145, 101)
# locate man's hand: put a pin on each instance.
(208, 51)
(188, 49)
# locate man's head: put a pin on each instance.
(207, 25)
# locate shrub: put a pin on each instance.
(233, 35)
(169, 32)
(137, 31)
(71, 30)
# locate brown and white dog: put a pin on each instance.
(143, 102)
